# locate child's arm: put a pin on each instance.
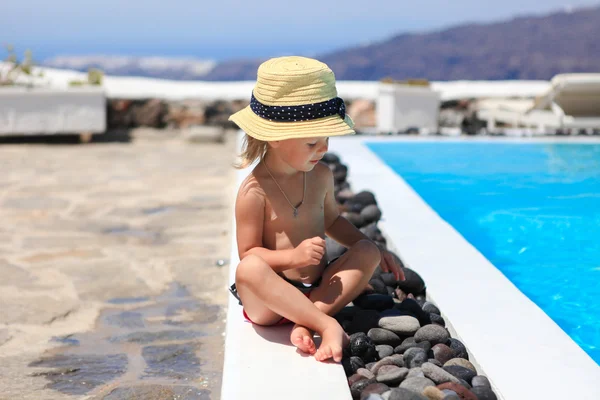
(342, 231)
(249, 215)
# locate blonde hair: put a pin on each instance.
(252, 150)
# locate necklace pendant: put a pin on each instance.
(295, 212)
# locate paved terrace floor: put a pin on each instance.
(109, 283)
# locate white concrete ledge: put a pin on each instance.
(522, 351)
(261, 363)
(46, 111)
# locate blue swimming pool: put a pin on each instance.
(533, 210)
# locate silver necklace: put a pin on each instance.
(284, 195)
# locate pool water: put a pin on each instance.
(533, 210)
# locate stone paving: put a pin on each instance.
(110, 285)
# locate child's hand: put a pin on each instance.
(389, 264)
(310, 251)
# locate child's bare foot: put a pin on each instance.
(302, 338)
(334, 339)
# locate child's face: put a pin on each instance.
(302, 154)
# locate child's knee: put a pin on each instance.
(369, 250)
(250, 269)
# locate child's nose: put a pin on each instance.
(324, 147)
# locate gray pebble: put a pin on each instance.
(388, 278)
(431, 308)
(366, 373)
(405, 394)
(373, 396)
(450, 395)
(384, 336)
(391, 375)
(416, 372)
(433, 333)
(484, 393)
(416, 384)
(481, 380)
(414, 357)
(384, 350)
(437, 374)
(406, 344)
(403, 325)
(435, 362)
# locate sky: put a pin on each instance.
(231, 29)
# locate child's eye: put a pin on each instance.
(311, 144)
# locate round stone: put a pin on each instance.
(374, 388)
(450, 395)
(355, 378)
(442, 353)
(460, 351)
(416, 384)
(437, 319)
(414, 357)
(358, 387)
(413, 283)
(359, 343)
(433, 393)
(356, 363)
(371, 213)
(416, 372)
(484, 393)
(372, 396)
(437, 374)
(334, 249)
(461, 372)
(431, 308)
(404, 325)
(391, 374)
(365, 198)
(481, 380)
(461, 362)
(389, 279)
(366, 373)
(384, 336)
(331, 158)
(401, 393)
(378, 285)
(433, 333)
(384, 350)
(406, 344)
(435, 362)
(461, 391)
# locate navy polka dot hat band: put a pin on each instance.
(294, 97)
(304, 112)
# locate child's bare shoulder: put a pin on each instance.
(250, 190)
(323, 172)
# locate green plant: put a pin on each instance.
(94, 77)
(14, 67)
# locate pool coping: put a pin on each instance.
(415, 229)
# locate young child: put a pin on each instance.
(286, 206)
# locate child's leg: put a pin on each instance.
(267, 297)
(342, 282)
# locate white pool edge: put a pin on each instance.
(528, 356)
(257, 368)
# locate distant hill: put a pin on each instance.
(155, 67)
(531, 47)
(522, 48)
(537, 47)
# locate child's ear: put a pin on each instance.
(275, 143)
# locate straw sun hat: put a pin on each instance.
(294, 97)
